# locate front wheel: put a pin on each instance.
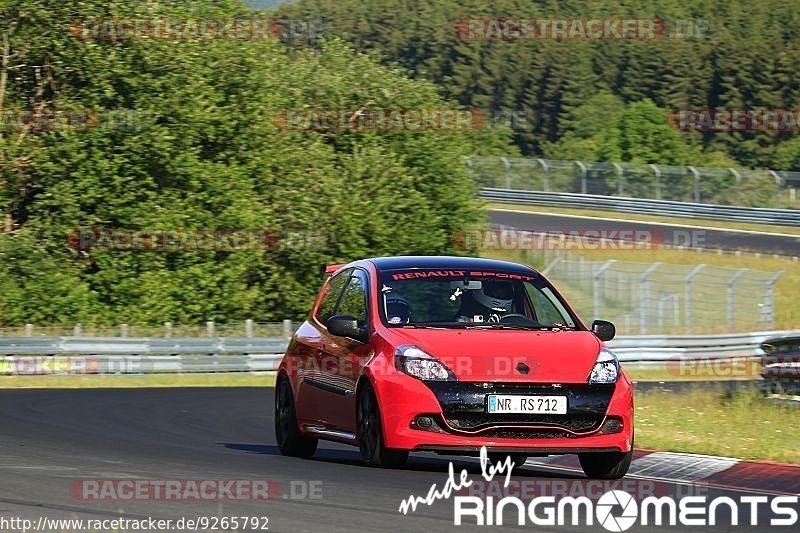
(370, 433)
(290, 441)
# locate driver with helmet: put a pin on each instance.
(494, 299)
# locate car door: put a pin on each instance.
(345, 356)
(314, 366)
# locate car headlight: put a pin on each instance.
(416, 362)
(606, 368)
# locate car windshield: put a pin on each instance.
(466, 299)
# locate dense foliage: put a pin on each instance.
(598, 100)
(201, 151)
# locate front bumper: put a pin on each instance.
(451, 417)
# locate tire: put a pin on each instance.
(611, 465)
(287, 432)
(517, 458)
(370, 433)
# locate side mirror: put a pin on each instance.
(346, 326)
(604, 330)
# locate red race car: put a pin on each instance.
(451, 354)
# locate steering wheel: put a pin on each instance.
(514, 315)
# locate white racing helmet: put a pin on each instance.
(497, 295)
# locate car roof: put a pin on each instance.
(440, 261)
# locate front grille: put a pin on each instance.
(464, 408)
(477, 421)
(527, 433)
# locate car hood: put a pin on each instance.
(495, 355)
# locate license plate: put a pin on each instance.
(514, 403)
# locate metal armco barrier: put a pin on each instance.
(781, 217)
(57, 355)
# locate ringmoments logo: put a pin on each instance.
(615, 510)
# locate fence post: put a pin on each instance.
(248, 328)
(731, 287)
(620, 178)
(29, 330)
(550, 267)
(287, 328)
(168, 329)
(696, 183)
(584, 172)
(545, 178)
(644, 297)
(123, 330)
(777, 188)
(508, 171)
(738, 177)
(595, 289)
(77, 330)
(657, 174)
(768, 311)
(688, 293)
(209, 328)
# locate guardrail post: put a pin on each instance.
(77, 330)
(777, 188)
(768, 310)
(696, 183)
(731, 287)
(507, 164)
(545, 177)
(287, 328)
(29, 330)
(657, 174)
(644, 297)
(584, 173)
(248, 328)
(595, 289)
(123, 330)
(738, 176)
(620, 178)
(688, 293)
(209, 328)
(168, 329)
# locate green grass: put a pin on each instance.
(648, 218)
(149, 380)
(743, 425)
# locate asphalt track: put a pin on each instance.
(675, 235)
(50, 438)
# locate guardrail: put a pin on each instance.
(82, 355)
(781, 217)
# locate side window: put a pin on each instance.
(547, 308)
(354, 299)
(328, 304)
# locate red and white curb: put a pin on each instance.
(719, 472)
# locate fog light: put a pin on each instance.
(611, 425)
(424, 422)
